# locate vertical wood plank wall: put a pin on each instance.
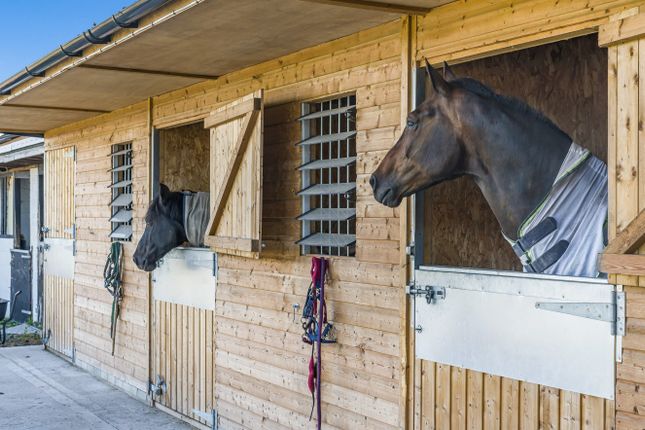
(58, 292)
(183, 353)
(58, 295)
(128, 368)
(626, 199)
(59, 200)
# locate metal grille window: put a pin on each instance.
(328, 173)
(121, 204)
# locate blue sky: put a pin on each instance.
(29, 29)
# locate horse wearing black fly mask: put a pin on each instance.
(548, 194)
(173, 219)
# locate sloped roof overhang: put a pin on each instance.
(180, 44)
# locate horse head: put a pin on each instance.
(164, 229)
(429, 150)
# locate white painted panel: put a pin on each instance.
(6, 244)
(58, 257)
(489, 322)
(34, 231)
(185, 277)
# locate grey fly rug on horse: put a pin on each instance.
(565, 233)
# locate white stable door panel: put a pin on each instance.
(520, 326)
(186, 276)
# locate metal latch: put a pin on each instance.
(211, 418)
(158, 388)
(432, 294)
(610, 312)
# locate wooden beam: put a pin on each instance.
(241, 244)
(622, 264)
(235, 111)
(630, 238)
(28, 133)
(622, 30)
(237, 154)
(146, 71)
(375, 5)
(60, 108)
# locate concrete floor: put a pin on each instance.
(41, 391)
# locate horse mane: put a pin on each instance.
(475, 86)
(170, 207)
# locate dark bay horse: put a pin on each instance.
(164, 229)
(514, 154)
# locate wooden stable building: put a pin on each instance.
(165, 98)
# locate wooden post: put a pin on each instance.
(624, 36)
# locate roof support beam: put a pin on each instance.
(146, 71)
(27, 133)
(60, 108)
(375, 5)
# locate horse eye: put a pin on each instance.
(412, 123)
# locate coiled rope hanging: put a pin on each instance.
(112, 283)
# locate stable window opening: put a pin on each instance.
(121, 204)
(455, 225)
(183, 165)
(328, 175)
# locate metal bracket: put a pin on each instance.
(158, 388)
(432, 294)
(409, 250)
(209, 418)
(610, 312)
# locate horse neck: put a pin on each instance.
(514, 158)
(178, 203)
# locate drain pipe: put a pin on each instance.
(98, 35)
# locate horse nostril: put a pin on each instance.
(373, 181)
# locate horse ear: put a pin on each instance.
(448, 74)
(164, 191)
(438, 82)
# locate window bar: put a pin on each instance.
(339, 175)
(306, 177)
(348, 203)
(329, 174)
(330, 198)
(322, 171)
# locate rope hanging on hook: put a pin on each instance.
(112, 282)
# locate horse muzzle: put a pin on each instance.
(384, 192)
(144, 263)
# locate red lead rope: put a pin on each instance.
(317, 330)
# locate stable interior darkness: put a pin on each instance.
(184, 158)
(567, 81)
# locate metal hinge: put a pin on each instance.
(211, 418)
(409, 250)
(158, 388)
(610, 312)
(432, 294)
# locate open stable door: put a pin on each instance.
(58, 249)
(236, 138)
